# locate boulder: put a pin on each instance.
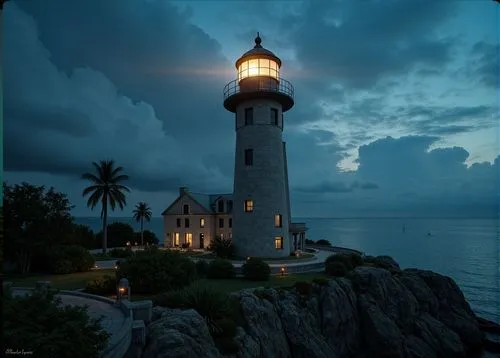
(374, 312)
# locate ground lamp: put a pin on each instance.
(123, 290)
(283, 270)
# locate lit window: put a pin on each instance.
(177, 239)
(248, 116)
(274, 116)
(202, 222)
(188, 239)
(248, 157)
(248, 206)
(185, 209)
(221, 223)
(278, 242)
(277, 220)
(222, 236)
(186, 222)
(253, 68)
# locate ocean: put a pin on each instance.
(465, 249)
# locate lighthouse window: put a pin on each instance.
(248, 156)
(248, 206)
(277, 220)
(248, 116)
(278, 242)
(274, 116)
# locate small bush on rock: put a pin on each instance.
(343, 258)
(48, 329)
(256, 269)
(323, 242)
(158, 271)
(356, 260)
(220, 268)
(103, 285)
(335, 268)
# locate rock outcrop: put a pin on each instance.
(371, 313)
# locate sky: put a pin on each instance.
(396, 102)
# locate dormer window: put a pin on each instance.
(220, 206)
(185, 209)
(274, 116)
(248, 116)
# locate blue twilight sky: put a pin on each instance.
(396, 114)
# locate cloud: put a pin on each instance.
(69, 120)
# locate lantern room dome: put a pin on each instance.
(258, 52)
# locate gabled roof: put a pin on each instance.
(207, 201)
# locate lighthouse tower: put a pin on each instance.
(261, 209)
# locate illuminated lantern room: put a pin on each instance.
(258, 62)
(258, 76)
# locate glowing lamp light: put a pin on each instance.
(123, 290)
(248, 258)
(258, 67)
(283, 271)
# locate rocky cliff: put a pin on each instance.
(371, 313)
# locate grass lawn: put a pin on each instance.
(232, 285)
(70, 281)
(101, 257)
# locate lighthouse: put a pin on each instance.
(259, 97)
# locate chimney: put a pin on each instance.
(183, 190)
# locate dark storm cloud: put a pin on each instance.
(327, 187)
(486, 65)
(357, 45)
(57, 122)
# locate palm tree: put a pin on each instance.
(106, 188)
(142, 211)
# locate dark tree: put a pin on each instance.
(106, 189)
(34, 219)
(142, 212)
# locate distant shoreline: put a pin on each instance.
(339, 218)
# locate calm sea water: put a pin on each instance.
(465, 249)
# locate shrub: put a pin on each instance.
(356, 260)
(218, 309)
(185, 245)
(102, 285)
(323, 242)
(81, 259)
(335, 268)
(309, 242)
(343, 258)
(256, 269)
(120, 253)
(303, 288)
(41, 325)
(201, 268)
(158, 271)
(61, 267)
(64, 259)
(220, 268)
(222, 248)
